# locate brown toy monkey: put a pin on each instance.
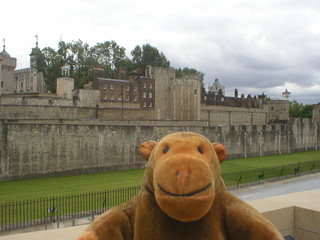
(182, 197)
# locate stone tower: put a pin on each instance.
(216, 87)
(65, 84)
(37, 82)
(176, 98)
(7, 66)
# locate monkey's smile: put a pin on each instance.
(187, 194)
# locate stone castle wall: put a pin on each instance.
(47, 111)
(316, 112)
(33, 148)
(44, 108)
(221, 115)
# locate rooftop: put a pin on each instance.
(113, 80)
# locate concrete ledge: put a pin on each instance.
(63, 233)
(297, 214)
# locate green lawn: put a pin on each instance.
(237, 165)
(56, 186)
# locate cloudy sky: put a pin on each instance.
(255, 46)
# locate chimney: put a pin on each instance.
(236, 93)
(98, 73)
(122, 74)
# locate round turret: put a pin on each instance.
(286, 95)
(4, 53)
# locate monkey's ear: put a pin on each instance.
(146, 149)
(221, 151)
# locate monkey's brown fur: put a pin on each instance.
(182, 197)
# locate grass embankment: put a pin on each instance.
(40, 188)
(243, 164)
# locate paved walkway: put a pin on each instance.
(270, 189)
(262, 190)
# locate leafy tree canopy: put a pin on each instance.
(148, 55)
(82, 59)
(186, 71)
(299, 110)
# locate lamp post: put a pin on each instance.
(245, 145)
(122, 102)
(289, 142)
(279, 138)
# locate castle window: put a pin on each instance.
(127, 98)
(150, 105)
(284, 109)
(205, 97)
(111, 86)
(112, 97)
(195, 92)
(128, 88)
(222, 99)
(144, 85)
(119, 97)
(144, 95)
(135, 88)
(144, 104)
(2, 84)
(105, 86)
(150, 87)
(104, 96)
(21, 85)
(272, 109)
(134, 98)
(150, 95)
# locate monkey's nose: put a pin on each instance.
(183, 176)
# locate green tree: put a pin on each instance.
(82, 59)
(137, 56)
(49, 63)
(299, 110)
(110, 56)
(294, 109)
(148, 55)
(186, 71)
(306, 111)
(78, 59)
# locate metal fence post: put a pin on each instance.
(245, 145)
(238, 183)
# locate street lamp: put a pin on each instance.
(122, 102)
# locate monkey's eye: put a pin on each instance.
(166, 149)
(200, 150)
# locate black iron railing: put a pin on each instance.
(56, 209)
(243, 178)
